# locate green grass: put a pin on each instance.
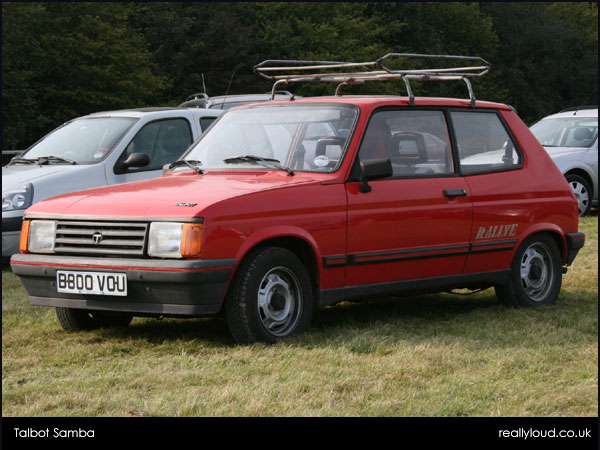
(435, 355)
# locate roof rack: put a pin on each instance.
(345, 73)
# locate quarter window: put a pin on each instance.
(416, 142)
(484, 145)
(205, 122)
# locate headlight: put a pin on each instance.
(19, 197)
(175, 240)
(41, 236)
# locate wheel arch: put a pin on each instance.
(296, 241)
(585, 175)
(553, 231)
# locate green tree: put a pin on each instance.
(548, 55)
(62, 60)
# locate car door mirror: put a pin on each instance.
(133, 160)
(374, 169)
(137, 160)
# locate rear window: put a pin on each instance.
(484, 144)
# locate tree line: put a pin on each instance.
(63, 60)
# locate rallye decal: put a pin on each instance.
(497, 231)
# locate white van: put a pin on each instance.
(96, 150)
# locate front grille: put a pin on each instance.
(100, 238)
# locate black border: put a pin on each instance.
(421, 432)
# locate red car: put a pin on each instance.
(285, 207)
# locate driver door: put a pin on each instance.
(417, 223)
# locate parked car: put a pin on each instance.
(96, 150)
(571, 139)
(230, 101)
(289, 206)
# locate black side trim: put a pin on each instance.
(409, 258)
(436, 284)
(575, 242)
(495, 249)
(462, 249)
(485, 244)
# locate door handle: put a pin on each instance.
(454, 192)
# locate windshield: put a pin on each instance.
(305, 138)
(82, 140)
(566, 131)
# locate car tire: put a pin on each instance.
(270, 297)
(73, 320)
(583, 192)
(535, 275)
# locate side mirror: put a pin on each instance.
(137, 160)
(374, 169)
(133, 160)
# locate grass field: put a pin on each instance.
(435, 355)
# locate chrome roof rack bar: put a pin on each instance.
(371, 71)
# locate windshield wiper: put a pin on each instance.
(22, 160)
(42, 160)
(46, 160)
(266, 162)
(191, 163)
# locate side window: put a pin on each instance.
(416, 142)
(205, 122)
(484, 145)
(164, 141)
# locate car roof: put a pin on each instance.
(583, 112)
(141, 112)
(388, 100)
(247, 97)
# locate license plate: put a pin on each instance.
(96, 283)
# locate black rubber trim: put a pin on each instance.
(463, 249)
(485, 244)
(575, 242)
(11, 224)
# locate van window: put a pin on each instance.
(164, 141)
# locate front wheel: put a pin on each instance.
(270, 297)
(73, 320)
(582, 191)
(536, 274)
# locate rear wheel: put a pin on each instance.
(270, 297)
(536, 274)
(83, 320)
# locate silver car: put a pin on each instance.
(96, 150)
(571, 139)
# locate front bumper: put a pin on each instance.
(162, 287)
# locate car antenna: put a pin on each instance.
(583, 103)
(227, 92)
(203, 85)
